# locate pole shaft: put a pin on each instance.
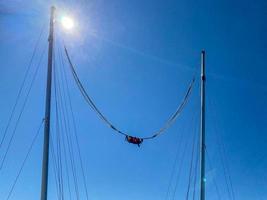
(47, 108)
(202, 129)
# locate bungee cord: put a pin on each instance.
(62, 123)
(129, 138)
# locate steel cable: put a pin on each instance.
(24, 161)
(73, 122)
(21, 87)
(22, 110)
(65, 125)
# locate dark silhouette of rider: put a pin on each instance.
(134, 140)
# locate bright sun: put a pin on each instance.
(67, 22)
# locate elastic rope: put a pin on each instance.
(169, 122)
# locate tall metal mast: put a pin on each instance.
(202, 128)
(47, 108)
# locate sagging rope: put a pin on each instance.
(129, 138)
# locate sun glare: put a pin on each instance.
(67, 22)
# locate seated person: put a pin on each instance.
(134, 140)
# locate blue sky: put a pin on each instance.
(136, 60)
